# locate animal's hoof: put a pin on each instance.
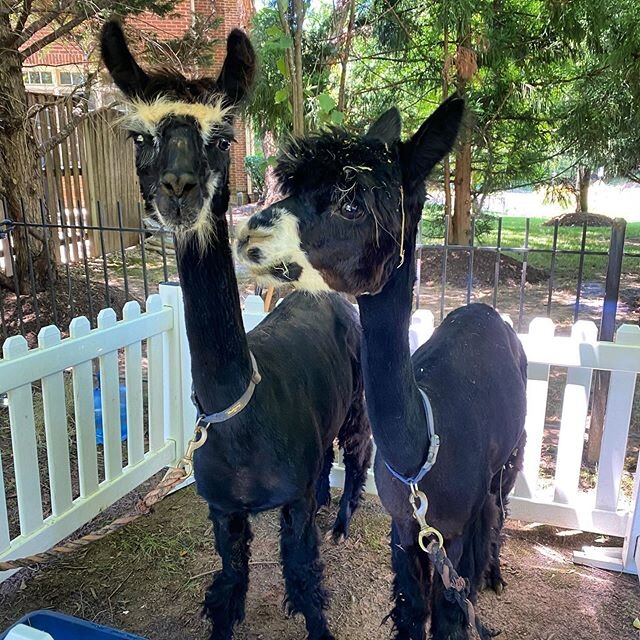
(338, 537)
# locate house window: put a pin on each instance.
(38, 77)
(71, 78)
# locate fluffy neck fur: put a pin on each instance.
(394, 403)
(220, 363)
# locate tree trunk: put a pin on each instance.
(460, 231)
(291, 21)
(271, 187)
(344, 58)
(20, 176)
(584, 181)
(446, 163)
(460, 227)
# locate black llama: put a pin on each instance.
(278, 450)
(352, 209)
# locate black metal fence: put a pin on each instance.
(617, 251)
(82, 278)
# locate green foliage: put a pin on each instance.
(433, 228)
(256, 167)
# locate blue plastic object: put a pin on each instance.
(63, 627)
(97, 407)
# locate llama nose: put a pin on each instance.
(178, 184)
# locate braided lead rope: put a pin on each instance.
(457, 588)
(173, 477)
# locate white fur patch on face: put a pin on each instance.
(144, 117)
(279, 245)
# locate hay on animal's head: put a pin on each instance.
(466, 63)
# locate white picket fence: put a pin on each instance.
(117, 346)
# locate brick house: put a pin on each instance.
(60, 67)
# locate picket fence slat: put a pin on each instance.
(540, 330)
(55, 425)
(23, 441)
(253, 313)
(84, 510)
(616, 427)
(110, 398)
(573, 421)
(82, 377)
(4, 516)
(70, 353)
(133, 383)
(567, 352)
(156, 381)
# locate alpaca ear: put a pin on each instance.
(434, 140)
(386, 128)
(124, 70)
(239, 68)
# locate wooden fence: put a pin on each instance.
(85, 175)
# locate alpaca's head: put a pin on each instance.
(182, 130)
(352, 203)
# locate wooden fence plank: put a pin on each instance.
(616, 427)
(55, 424)
(110, 398)
(574, 420)
(156, 381)
(541, 330)
(82, 374)
(133, 382)
(23, 442)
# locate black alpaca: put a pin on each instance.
(356, 203)
(277, 451)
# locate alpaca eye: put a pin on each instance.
(350, 210)
(223, 144)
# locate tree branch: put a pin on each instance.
(24, 14)
(55, 34)
(42, 22)
(63, 134)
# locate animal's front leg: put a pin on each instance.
(302, 567)
(225, 599)
(411, 583)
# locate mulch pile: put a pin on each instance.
(484, 263)
(578, 219)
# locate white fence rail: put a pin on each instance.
(115, 349)
(83, 480)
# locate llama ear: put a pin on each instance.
(239, 68)
(434, 139)
(386, 128)
(124, 70)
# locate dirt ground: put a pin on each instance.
(149, 579)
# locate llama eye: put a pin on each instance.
(223, 144)
(350, 210)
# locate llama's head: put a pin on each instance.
(182, 130)
(352, 204)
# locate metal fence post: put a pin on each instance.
(180, 414)
(607, 332)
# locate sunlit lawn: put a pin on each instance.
(569, 238)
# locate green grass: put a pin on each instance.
(569, 238)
